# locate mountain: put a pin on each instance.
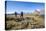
(42, 12)
(39, 12)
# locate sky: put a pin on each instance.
(26, 7)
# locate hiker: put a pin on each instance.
(15, 14)
(21, 16)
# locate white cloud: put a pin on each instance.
(38, 10)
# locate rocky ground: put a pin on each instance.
(27, 22)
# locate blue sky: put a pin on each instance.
(26, 7)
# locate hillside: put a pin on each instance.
(29, 21)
